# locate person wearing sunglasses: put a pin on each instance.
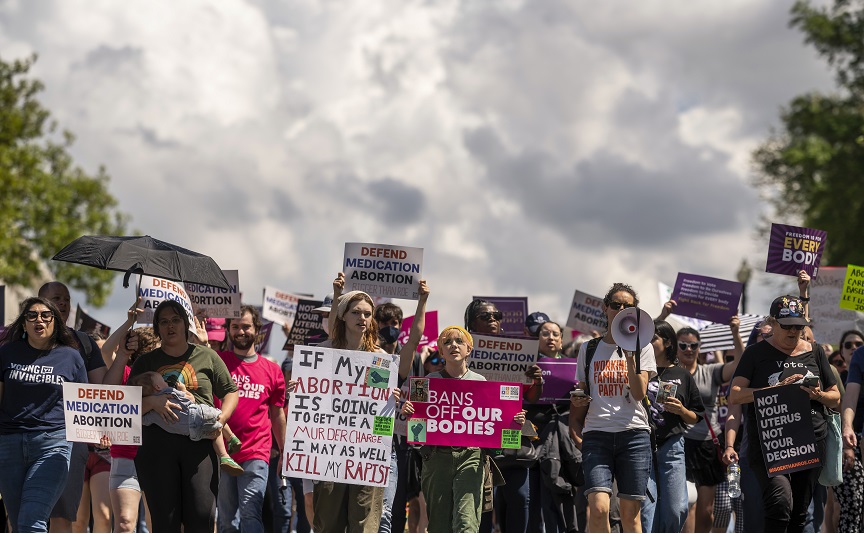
(37, 355)
(512, 500)
(609, 423)
(781, 360)
(703, 445)
(849, 493)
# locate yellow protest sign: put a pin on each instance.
(853, 289)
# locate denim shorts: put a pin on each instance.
(624, 456)
(123, 475)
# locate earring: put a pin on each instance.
(24, 335)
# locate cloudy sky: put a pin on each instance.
(530, 147)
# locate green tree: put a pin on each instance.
(813, 168)
(46, 200)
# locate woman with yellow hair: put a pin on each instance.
(452, 478)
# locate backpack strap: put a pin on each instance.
(589, 355)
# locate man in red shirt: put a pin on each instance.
(256, 419)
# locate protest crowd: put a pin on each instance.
(378, 422)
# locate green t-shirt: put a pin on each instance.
(200, 369)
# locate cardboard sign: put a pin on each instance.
(514, 310)
(586, 313)
(305, 321)
(853, 289)
(559, 379)
(785, 429)
(154, 290)
(340, 416)
(703, 297)
(216, 302)
(830, 320)
(430, 329)
(464, 413)
(793, 248)
(87, 323)
(95, 410)
(383, 270)
(279, 306)
(503, 359)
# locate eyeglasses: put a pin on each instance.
(32, 316)
(852, 344)
(796, 327)
(436, 360)
(838, 362)
(685, 346)
(176, 321)
(615, 305)
(451, 342)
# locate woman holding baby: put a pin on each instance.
(179, 476)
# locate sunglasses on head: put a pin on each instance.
(685, 346)
(615, 305)
(798, 327)
(852, 344)
(488, 316)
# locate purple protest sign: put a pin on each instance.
(430, 330)
(559, 378)
(514, 309)
(793, 248)
(703, 297)
(464, 413)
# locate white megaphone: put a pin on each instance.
(627, 324)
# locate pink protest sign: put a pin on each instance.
(430, 330)
(465, 413)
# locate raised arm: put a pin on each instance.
(729, 368)
(667, 310)
(804, 291)
(406, 355)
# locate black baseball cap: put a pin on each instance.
(789, 311)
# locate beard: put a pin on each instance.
(243, 343)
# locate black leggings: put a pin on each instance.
(180, 479)
(786, 497)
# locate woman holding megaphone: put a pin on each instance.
(608, 421)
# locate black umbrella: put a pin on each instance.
(143, 255)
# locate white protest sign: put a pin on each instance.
(829, 319)
(503, 359)
(586, 313)
(341, 416)
(383, 270)
(279, 306)
(94, 410)
(155, 290)
(216, 302)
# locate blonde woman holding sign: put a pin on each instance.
(783, 359)
(452, 478)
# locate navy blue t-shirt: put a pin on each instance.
(33, 386)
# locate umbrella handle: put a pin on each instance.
(134, 269)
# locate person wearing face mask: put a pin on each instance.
(389, 319)
(785, 497)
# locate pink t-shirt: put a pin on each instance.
(124, 451)
(260, 384)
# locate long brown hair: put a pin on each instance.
(60, 335)
(337, 328)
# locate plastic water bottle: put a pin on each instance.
(733, 476)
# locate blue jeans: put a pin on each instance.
(668, 485)
(34, 467)
(389, 494)
(280, 498)
(511, 500)
(624, 456)
(241, 498)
